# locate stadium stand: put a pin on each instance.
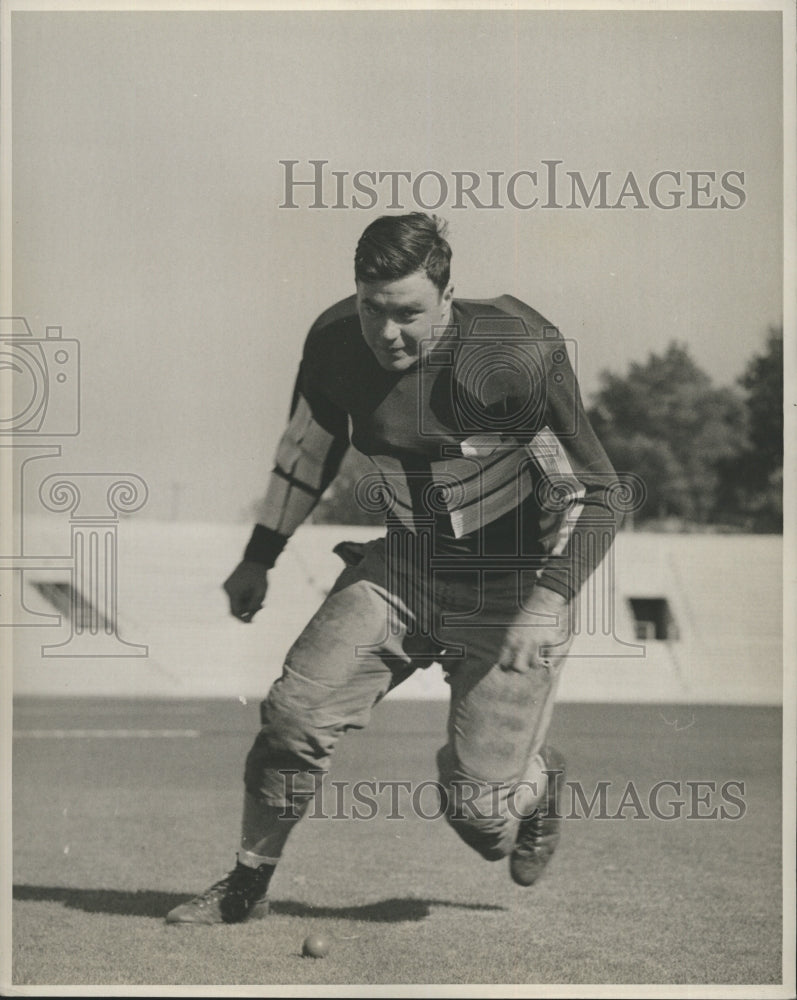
(674, 618)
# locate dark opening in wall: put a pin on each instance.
(72, 604)
(653, 618)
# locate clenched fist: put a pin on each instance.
(246, 588)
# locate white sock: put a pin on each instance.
(252, 860)
(264, 831)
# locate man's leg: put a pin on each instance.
(495, 763)
(327, 687)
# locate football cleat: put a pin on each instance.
(539, 833)
(240, 895)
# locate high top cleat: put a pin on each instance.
(240, 895)
(539, 834)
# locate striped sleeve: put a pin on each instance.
(575, 492)
(308, 457)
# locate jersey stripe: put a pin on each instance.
(304, 447)
(284, 507)
(298, 478)
(551, 456)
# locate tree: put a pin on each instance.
(666, 422)
(753, 478)
(763, 380)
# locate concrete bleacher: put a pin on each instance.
(722, 591)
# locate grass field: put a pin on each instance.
(113, 828)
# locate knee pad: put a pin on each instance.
(293, 724)
(286, 744)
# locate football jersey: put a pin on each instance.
(484, 445)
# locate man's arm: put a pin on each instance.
(308, 458)
(576, 489)
(578, 519)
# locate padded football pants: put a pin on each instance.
(383, 620)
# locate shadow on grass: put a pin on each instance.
(148, 903)
(385, 911)
(143, 903)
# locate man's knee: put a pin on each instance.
(291, 749)
(294, 719)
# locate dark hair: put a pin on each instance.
(394, 246)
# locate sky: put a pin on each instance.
(149, 217)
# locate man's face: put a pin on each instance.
(397, 315)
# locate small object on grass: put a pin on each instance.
(315, 946)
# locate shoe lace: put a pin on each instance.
(241, 881)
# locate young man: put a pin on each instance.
(485, 462)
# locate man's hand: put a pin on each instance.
(531, 643)
(246, 588)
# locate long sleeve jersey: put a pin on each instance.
(484, 443)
